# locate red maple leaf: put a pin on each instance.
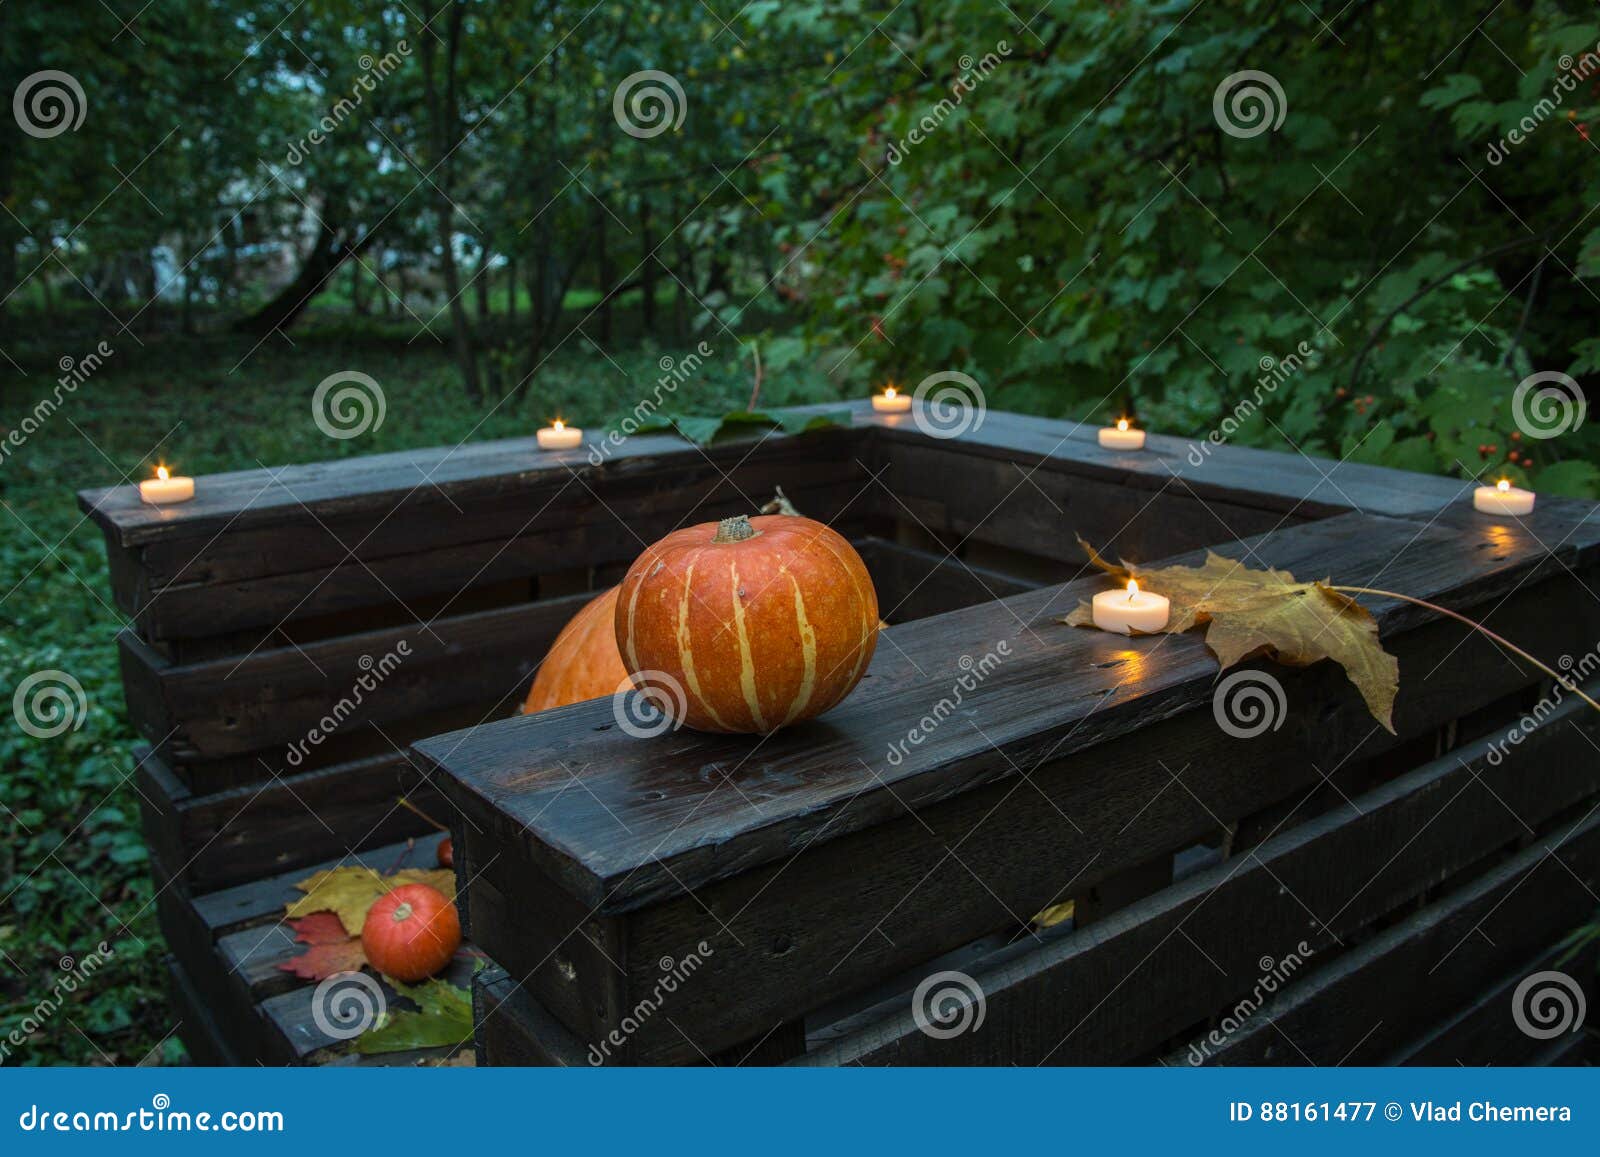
(332, 949)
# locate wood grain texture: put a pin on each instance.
(1442, 957)
(661, 816)
(1112, 992)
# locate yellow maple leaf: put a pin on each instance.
(1249, 612)
(350, 890)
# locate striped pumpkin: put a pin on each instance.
(583, 662)
(761, 622)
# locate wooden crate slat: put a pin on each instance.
(1228, 474)
(798, 940)
(1060, 691)
(372, 484)
(273, 698)
(1440, 957)
(1192, 950)
(215, 841)
(1485, 1032)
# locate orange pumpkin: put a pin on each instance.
(583, 662)
(411, 932)
(761, 622)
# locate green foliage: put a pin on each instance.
(1075, 229)
(73, 868)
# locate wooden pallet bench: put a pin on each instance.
(828, 882)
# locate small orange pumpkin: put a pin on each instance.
(583, 662)
(761, 622)
(411, 932)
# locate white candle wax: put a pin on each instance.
(1503, 498)
(164, 489)
(560, 437)
(1130, 610)
(892, 401)
(1122, 436)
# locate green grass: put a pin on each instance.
(73, 872)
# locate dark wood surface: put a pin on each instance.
(1112, 992)
(1443, 956)
(230, 837)
(661, 816)
(227, 946)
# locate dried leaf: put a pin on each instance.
(349, 891)
(332, 948)
(1056, 914)
(444, 1020)
(1249, 612)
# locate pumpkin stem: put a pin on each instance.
(735, 529)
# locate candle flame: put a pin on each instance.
(1133, 589)
(891, 392)
(1122, 423)
(560, 425)
(1503, 485)
(161, 473)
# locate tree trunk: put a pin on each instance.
(604, 273)
(481, 280)
(328, 252)
(443, 117)
(647, 275)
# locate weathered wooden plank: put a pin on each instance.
(1348, 1012)
(949, 492)
(1265, 479)
(913, 583)
(374, 484)
(214, 841)
(787, 937)
(512, 1029)
(197, 1024)
(280, 702)
(667, 824)
(1486, 1032)
(1112, 992)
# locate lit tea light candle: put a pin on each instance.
(164, 488)
(1123, 437)
(1131, 610)
(892, 401)
(560, 437)
(1503, 498)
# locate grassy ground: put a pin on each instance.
(73, 873)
